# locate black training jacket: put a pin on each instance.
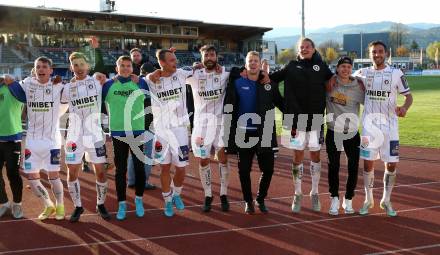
(304, 87)
(268, 97)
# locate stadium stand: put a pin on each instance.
(58, 32)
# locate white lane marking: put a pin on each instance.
(208, 232)
(417, 248)
(231, 202)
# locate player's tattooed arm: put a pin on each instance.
(100, 77)
(8, 79)
(402, 110)
(197, 66)
(57, 80)
(15, 88)
(243, 72)
(361, 83)
(331, 83)
(218, 68)
(155, 76)
(134, 78)
(265, 68)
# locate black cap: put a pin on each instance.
(344, 60)
(147, 68)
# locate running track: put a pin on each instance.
(416, 230)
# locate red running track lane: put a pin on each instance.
(416, 229)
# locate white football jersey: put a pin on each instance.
(381, 90)
(84, 98)
(43, 110)
(168, 100)
(209, 91)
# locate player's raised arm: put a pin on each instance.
(100, 77)
(279, 75)
(16, 88)
(154, 76)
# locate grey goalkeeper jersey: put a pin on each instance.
(343, 105)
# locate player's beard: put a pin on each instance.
(209, 64)
(379, 61)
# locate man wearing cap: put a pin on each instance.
(343, 102)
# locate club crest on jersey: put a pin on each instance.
(387, 82)
(27, 154)
(174, 78)
(90, 86)
(48, 91)
(316, 68)
(216, 79)
(267, 87)
(71, 146)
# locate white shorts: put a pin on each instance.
(301, 140)
(171, 146)
(374, 147)
(41, 155)
(203, 139)
(75, 150)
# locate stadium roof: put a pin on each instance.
(235, 31)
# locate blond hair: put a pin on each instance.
(252, 53)
(77, 55)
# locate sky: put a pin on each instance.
(273, 13)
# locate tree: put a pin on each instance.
(352, 55)
(322, 48)
(286, 55)
(402, 51)
(330, 55)
(414, 45)
(431, 49)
